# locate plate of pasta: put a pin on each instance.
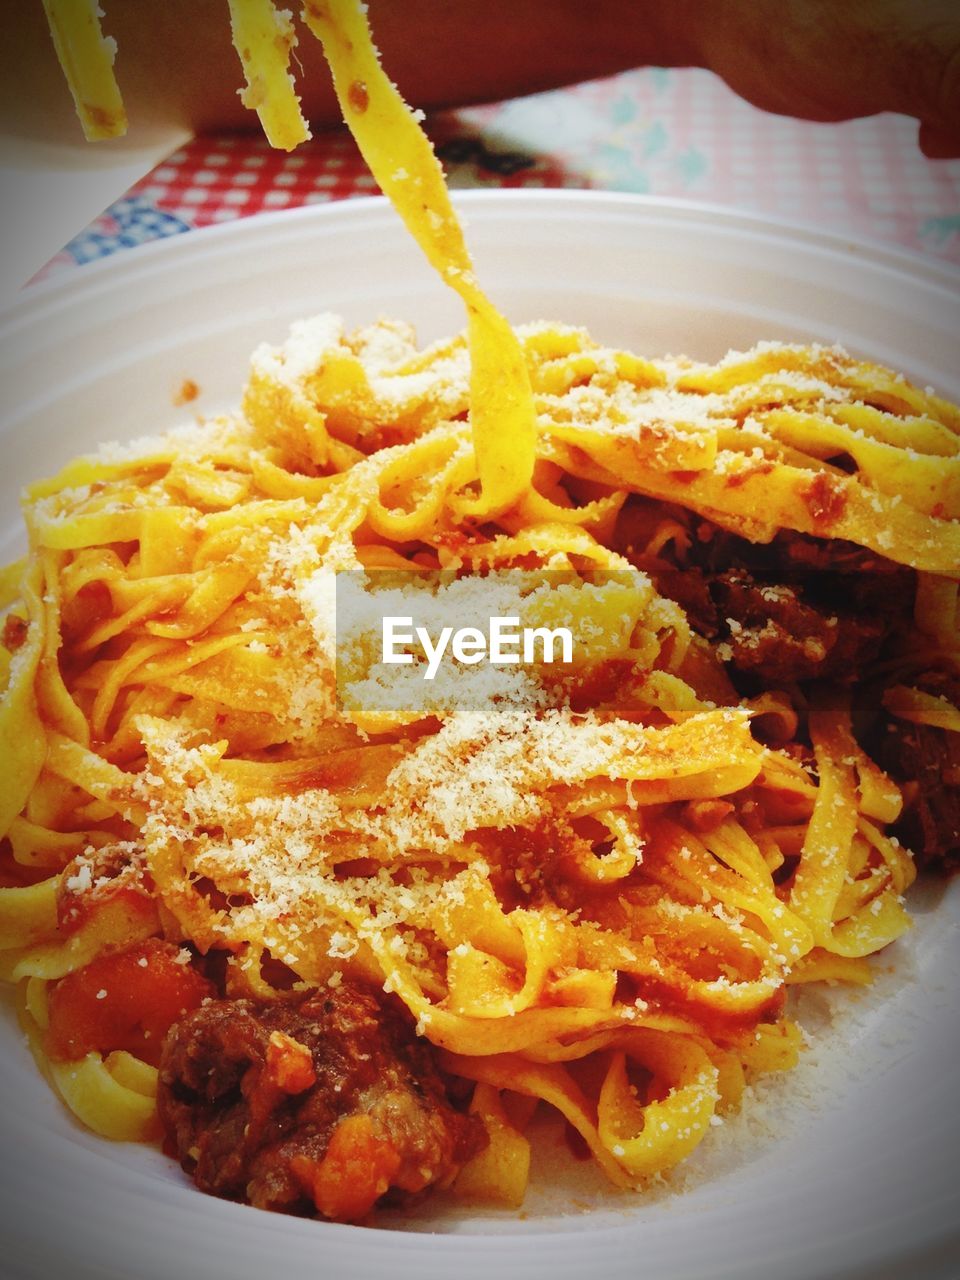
(323, 882)
(839, 1161)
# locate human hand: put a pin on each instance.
(818, 59)
(839, 59)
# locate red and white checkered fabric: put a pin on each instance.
(217, 179)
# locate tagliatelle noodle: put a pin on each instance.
(402, 160)
(86, 58)
(265, 39)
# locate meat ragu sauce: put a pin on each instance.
(801, 609)
(328, 1103)
(930, 758)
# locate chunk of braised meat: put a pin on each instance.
(797, 608)
(690, 588)
(772, 629)
(328, 1103)
(930, 758)
(831, 571)
(775, 634)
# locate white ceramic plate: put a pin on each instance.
(846, 1167)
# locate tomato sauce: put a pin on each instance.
(123, 1000)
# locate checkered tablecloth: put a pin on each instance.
(667, 133)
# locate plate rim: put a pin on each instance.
(67, 285)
